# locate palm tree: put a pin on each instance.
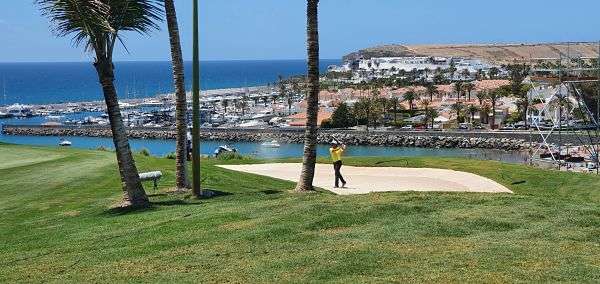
(466, 74)
(425, 105)
(469, 88)
(458, 109)
(484, 113)
(438, 76)
(481, 96)
(494, 96)
(458, 88)
(451, 70)
(517, 74)
(431, 90)
(362, 111)
(430, 115)
(98, 26)
(242, 104)
(472, 109)
(283, 92)
(479, 74)
(410, 97)
(224, 104)
(493, 72)
(394, 102)
(312, 110)
(181, 180)
(296, 89)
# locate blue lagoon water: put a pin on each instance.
(162, 147)
(40, 83)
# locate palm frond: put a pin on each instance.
(139, 16)
(83, 19)
(97, 23)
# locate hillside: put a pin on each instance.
(56, 226)
(496, 53)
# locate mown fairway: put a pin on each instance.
(56, 225)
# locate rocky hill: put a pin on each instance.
(496, 53)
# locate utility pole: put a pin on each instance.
(560, 96)
(196, 186)
(597, 113)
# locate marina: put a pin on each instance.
(235, 107)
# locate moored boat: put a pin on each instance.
(65, 143)
(224, 149)
(271, 144)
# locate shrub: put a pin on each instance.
(326, 123)
(342, 117)
(103, 148)
(171, 156)
(144, 152)
(228, 156)
(398, 124)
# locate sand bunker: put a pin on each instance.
(362, 180)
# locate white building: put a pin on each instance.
(382, 67)
(547, 108)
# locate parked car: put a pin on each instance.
(464, 126)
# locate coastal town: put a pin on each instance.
(163, 141)
(405, 94)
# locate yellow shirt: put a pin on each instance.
(336, 154)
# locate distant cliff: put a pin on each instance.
(496, 53)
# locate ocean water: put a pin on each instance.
(39, 83)
(160, 147)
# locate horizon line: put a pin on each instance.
(128, 61)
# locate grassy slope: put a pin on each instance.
(55, 226)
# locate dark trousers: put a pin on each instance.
(337, 166)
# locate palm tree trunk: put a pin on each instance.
(525, 109)
(368, 115)
(493, 115)
(310, 140)
(133, 191)
(181, 180)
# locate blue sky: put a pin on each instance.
(275, 29)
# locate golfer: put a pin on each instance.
(336, 151)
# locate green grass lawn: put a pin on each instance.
(56, 225)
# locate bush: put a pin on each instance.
(398, 124)
(513, 118)
(326, 123)
(228, 156)
(171, 156)
(144, 152)
(103, 148)
(341, 117)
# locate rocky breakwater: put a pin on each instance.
(398, 139)
(139, 133)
